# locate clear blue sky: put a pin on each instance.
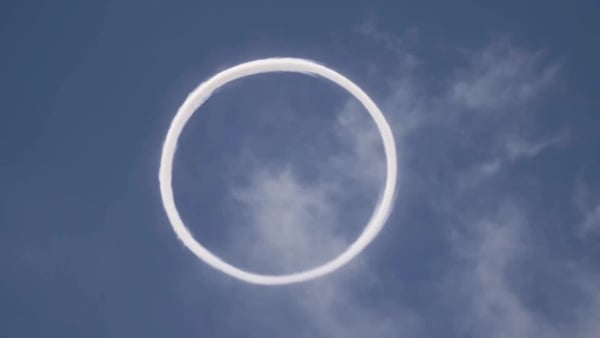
(495, 230)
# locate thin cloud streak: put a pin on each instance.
(502, 76)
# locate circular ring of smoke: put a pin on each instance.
(202, 93)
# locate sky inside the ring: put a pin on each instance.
(495, 230)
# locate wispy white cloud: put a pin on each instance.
(492, 253)
(591, 223)
(506, 82)
(588, 209)
(512, 149)
(588, 315)
(501, 77)
(296, 223)
(335, 311)
(518, 148)
(291, 222)
(448, 151)
(493, 308)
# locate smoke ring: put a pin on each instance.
(197, 97)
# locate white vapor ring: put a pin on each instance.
(294, 65)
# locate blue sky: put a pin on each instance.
(496, 226)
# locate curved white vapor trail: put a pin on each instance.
(202, 93)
